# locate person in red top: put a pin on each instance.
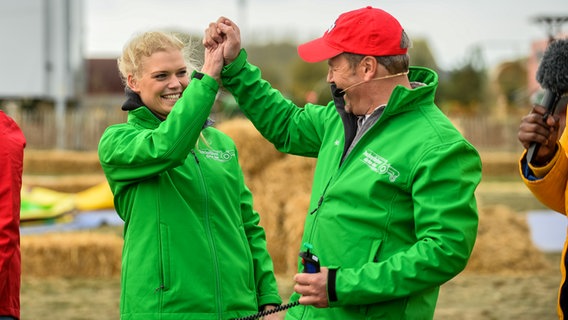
(12, 143)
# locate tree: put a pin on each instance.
(464, 87)
(309, 82)
(274, 60)
(421, 55)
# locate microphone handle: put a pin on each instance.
(533, 149)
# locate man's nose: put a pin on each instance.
(329, 76)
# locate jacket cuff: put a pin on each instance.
(331, 278)
(206, 79)
(541, 171)
(197, 75)
(262, 307)
(234, 67)
(269, 299)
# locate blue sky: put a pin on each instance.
(503, 29)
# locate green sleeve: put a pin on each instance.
(292, 129)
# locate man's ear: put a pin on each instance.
(132, 83)
(369, 65)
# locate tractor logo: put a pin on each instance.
(218, 155)
(379, 165)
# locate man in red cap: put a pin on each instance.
(12, 143)
(393, 213)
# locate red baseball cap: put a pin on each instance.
(368, 31)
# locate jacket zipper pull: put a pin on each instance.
(321, 198)
(317, 207)
(194, 156)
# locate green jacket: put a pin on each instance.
(397, 217)
(193, 247)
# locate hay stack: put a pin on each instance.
(255, 152)
(61, 162)
(500, 164)
(282, 194)
(281, 185)
(504, 244)
(74, 254)
(62, 170)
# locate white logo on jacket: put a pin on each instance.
(218, 155)
(379, 165)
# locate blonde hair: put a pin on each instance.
(148, 43)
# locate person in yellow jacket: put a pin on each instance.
(546, 175)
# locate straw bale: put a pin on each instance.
(295, 212)
(270, 220)
(504, 244)
(499, 164)
(62, 170)
(255, 152)
(282, 193)
(70, 183)
(73, 254)
(55, 162)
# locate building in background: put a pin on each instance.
(42, 53)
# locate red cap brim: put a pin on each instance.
(317, 50)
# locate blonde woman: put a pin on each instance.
(193, 247)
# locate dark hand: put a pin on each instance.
(534, 128)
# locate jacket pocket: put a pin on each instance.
(374, 250)
(249, 258)
(165, 256)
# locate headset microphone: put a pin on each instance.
(338, 92)
(552, 75)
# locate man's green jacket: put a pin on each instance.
(393, 220)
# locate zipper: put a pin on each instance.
(210, 237)
(320, 201)
(160, 289)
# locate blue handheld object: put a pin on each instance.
(309, 260)
(311, 265)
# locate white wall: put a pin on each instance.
(41, 53)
